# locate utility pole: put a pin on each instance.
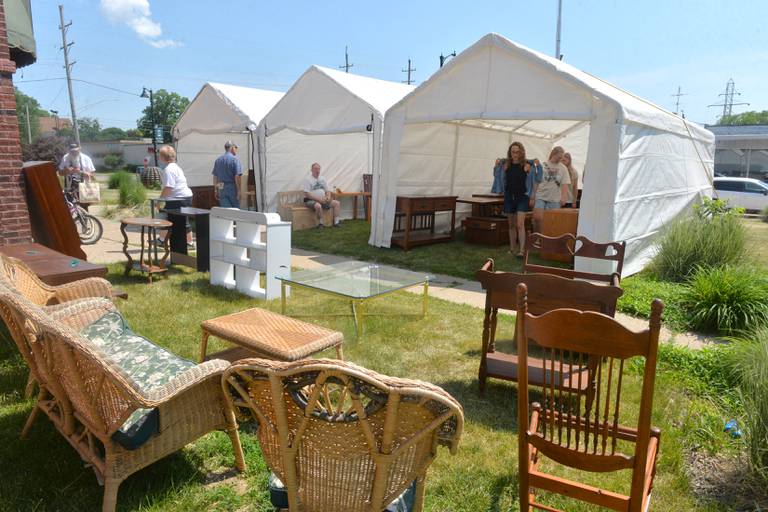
(677, 101)
(444, 58)
(68, 67)
(29, 127)
(558, 55)
(408, 81)
(346, 64)
(727, 104)
(147, 93)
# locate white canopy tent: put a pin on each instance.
(329, 117)
(642, 164)
(218, 113)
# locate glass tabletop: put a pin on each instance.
(356, 280)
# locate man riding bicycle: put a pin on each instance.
(74, 164)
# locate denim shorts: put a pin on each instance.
(514, 204)
(546, 205)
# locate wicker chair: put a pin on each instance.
(18, 275)
(93, 397)
(339, 436)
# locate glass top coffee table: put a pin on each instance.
(358, 282)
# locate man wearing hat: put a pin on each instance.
(227, 175)
(74, 164)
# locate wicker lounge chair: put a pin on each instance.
(339, 436)
(120, 419)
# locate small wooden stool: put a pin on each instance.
(150, 265)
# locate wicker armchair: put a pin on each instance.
(339, 436)
(88, 397)
(19, 276)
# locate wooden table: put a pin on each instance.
(484, 206)
(149, 264)
(354, 195)
(415, 220)
(52, 267)
(262, 333)
(179, 254)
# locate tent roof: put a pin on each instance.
(252, 104)
(631, 108)
(379, 94)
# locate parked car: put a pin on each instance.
(747, 193)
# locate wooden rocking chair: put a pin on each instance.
(587, 438)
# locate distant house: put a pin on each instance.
(132, 151)
(741, 150)
(50, 125)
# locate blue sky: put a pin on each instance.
(647, 47)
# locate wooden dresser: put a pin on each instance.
(415, 220)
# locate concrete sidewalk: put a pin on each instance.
(110, 250)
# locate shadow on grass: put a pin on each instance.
(497, 409)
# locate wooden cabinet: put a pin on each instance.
(486, 230)
(559, 222)
(415, 220)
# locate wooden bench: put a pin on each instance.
(291, 207)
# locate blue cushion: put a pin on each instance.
(147, 364)
(278, 495)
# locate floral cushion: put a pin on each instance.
(147, 364)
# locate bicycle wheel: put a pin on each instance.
(89, 228)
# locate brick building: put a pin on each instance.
(14, 216)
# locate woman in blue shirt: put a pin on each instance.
(517, 178)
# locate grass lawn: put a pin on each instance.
(44, 473)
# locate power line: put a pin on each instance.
(81, 81)
(408, 70)
(727, 104)
(346, 64)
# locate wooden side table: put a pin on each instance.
(152, 263)
(354, 195)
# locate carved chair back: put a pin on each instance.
(577, 246)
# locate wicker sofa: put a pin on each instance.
(119, 400)
(291, 207)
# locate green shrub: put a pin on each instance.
(641, 289)
(132, 193)
(726, 299)
(113, 161)
(713, 236)
(749, 362)
(115, 179)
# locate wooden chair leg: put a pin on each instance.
(30, 421)
(111, 486)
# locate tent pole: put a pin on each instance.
(455, 152)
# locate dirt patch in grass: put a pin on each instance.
(725, 479)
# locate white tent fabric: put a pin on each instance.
(329, 117)
(218, 113)
(642, 164)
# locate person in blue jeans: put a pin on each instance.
(517, 178)
(227, 176)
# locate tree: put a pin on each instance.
(745, 118)
(46, 147)
(112, 133)
(89, 129)
(133, 134)
(24, 102)
(168, 108)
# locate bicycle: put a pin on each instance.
(88, 227)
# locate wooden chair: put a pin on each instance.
(579, 246)
(585, 438)
(545, 293)
(341, 437)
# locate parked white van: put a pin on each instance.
(746, 193)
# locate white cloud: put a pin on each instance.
(138, 17)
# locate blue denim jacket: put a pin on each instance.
(499, 178)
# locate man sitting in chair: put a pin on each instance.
(317, 196)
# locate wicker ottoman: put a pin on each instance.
(262, 333)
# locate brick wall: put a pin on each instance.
(14, 217)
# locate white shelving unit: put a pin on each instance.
(245, 245)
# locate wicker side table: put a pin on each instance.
(259, 332)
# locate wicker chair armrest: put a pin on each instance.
(184, 382)
(83, 288)
(80, 313)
